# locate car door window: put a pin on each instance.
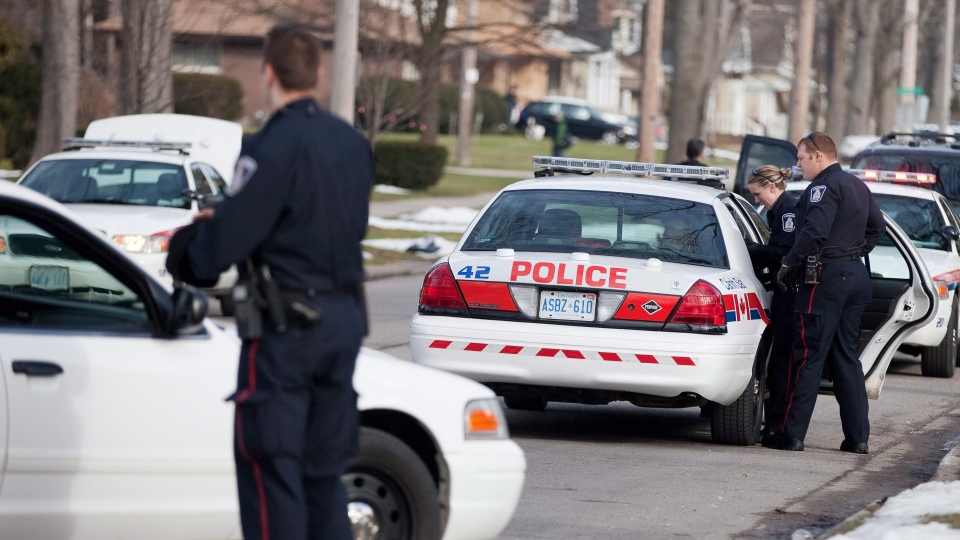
(219, 184)
(203, 185)
(45, 284)
(886, 261)
(745, 231)
(575, 112)
(759, 224)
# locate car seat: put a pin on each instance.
(915, 223)
(79, 189)
(168, 188)
(559, 226)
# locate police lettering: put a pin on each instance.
(567, 274)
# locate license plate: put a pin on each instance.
(568, 306)
(50, 278)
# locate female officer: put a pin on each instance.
(767, 184)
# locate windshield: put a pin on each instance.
(919, 218)
(946, 166)
(110, 181)
(617, 224)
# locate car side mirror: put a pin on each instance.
(189, 310)
(951, 230)
(209, 201)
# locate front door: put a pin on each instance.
(757, 151)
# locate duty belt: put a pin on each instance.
(848, 257)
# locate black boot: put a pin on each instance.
(779, 441)
(854, 448)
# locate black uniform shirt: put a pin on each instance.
(298, 202)
(836, 215)
(782, 219)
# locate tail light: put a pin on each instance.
(440, 293)
(702, 306)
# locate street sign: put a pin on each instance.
(915, 91)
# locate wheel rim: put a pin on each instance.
(377, 506)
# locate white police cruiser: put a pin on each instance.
(932, 224)
(139, 178)
(113, 422)
(599, 288)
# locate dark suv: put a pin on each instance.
(925, 152)
(583, 121)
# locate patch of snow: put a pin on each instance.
(436, 214)
(9, 174)
(900, 516)
(400, 224)
(422, 245)
(390, 190)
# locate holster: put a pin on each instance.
(811, 272)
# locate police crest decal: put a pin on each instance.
(246, 166)
(816, 193)
(789, 222)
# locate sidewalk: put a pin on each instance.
(930, 510)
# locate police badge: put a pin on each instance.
(788, 221)
(816, 193)
(246, 166)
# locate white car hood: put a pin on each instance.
(111, 219)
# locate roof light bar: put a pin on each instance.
(75, 143)
(629, 167)
(920, 179)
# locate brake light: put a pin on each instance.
(440, 291)
(482, 295)
(3, 245)
(701, 306)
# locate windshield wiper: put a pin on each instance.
(102, 201)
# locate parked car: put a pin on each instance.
(113, 422)
(583, 121)
(611, 287)
(926, 152)
(139, 178)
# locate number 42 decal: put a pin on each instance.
(483, 272)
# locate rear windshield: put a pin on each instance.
(920, 219)
(945, 166)
(602, 223)
(110, 181)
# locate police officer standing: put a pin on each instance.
(293, 223)
(768, 184)
(839, 223)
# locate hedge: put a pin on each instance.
(202, 94)
(20, 91)
(409, 165)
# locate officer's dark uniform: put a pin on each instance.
(839, 218)
(299, 205)
(782, 220)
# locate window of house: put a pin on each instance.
(200, 57)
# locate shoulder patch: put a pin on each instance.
(816, 193)
(789, 222)
(246, 166)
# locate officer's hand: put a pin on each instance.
(785, 278)
(205, 214)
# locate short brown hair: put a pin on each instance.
(819, 142)
(294, 55)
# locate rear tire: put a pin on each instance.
(525, 403)
(389, 479)
(739, 423)
(941, 360)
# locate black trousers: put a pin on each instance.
(778, 368)
(297, 425)
(827, 317)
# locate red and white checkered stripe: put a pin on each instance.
(547, 352)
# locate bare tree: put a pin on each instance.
(432, 20)
(838, 41)
(61, 75)
(887, 63)
(710, 28)
(146, 79)
(866, 19)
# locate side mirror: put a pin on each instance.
(209, 201)
(189, 310)
(951, 230)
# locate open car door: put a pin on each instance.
(904, 299)
(757, 151)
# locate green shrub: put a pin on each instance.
(410, 165)
(202, 94)
(20, 91)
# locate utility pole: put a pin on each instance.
(652, 49)
(908, 65)
(941, 116)
(800, 93)
(467, 87)
(345, 40)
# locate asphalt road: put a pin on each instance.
(619, 471)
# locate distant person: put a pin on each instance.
(511, 100)
(694, 153)
(561, 140)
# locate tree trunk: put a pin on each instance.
(838, 36)
(146, 80)
(433, 28)
(866, 20)
(61, 76)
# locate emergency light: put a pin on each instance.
(896, 177)
(76, 143)
(549, 164)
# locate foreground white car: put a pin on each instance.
(926, 217)
(603, 288)
(138, 193)
(113, 422)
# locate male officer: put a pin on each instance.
(297, 211)
(838, 223)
